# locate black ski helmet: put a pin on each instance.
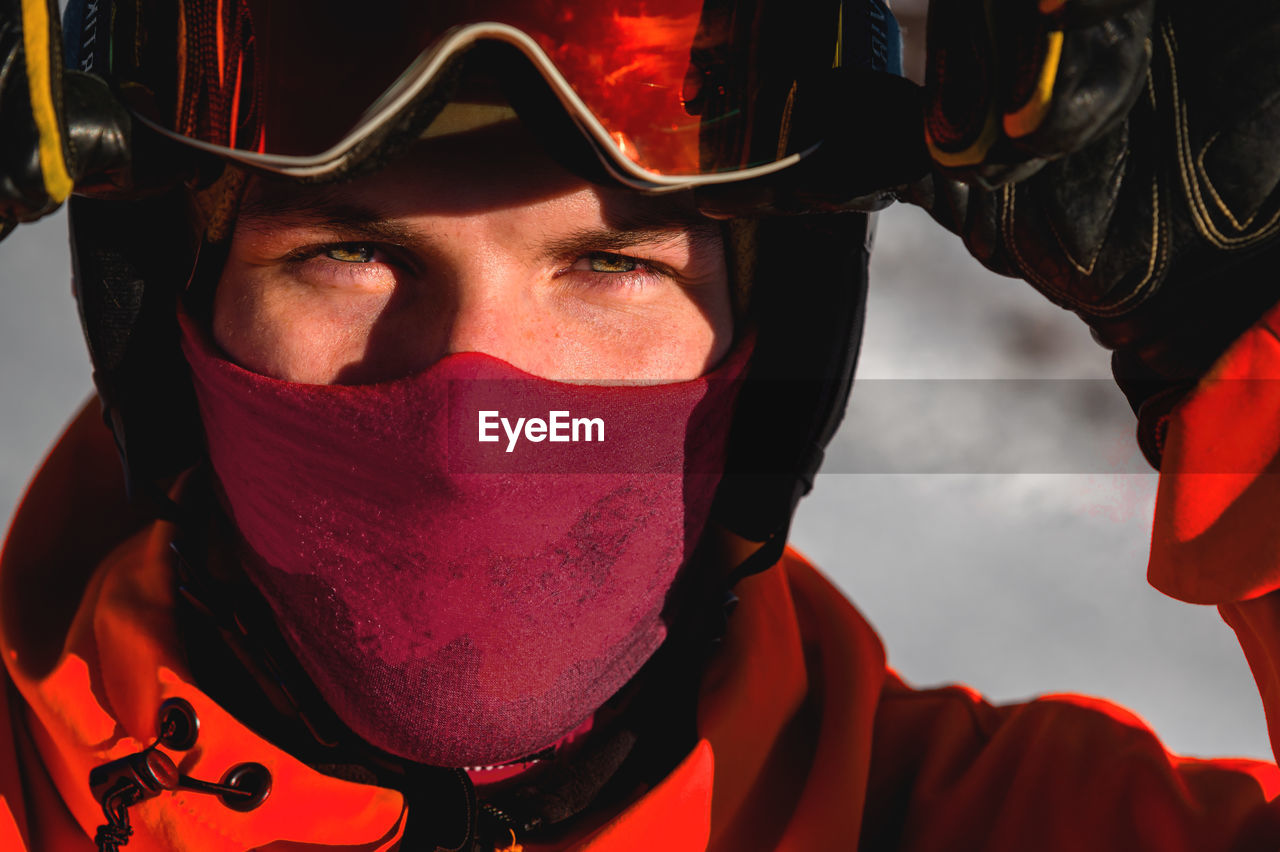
(796, 108)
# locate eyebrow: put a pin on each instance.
(325, 210)
(622, 235)
(640, 224)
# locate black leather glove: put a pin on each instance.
(57, 129)
(1123, 157)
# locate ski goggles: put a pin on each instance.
(670, 93)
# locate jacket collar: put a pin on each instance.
(784, 715)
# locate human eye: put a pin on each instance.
(367, 265)
(350, 252)
(353, 253)
(609, 269)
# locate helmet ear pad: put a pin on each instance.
(808, 302)
(130, 263)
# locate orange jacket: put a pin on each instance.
(808, 742)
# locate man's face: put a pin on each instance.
(472, 243)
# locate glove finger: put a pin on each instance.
(961, 112)
(1074, 85)
(1084, 13)
(992, 74)
(42, 51)
(1069, 14)
(34, 173)
(1070, 86)
(1010, 85)
(100, 131)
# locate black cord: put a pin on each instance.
(117, 831)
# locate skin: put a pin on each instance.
(472, 243)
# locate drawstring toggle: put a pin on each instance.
(128, 780)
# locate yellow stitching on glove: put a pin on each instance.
(1028, 117)
(1200, 213)
(1157, 259)
(35, 38)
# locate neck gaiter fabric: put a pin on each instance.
(469, 561)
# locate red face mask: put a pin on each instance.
(460, 601)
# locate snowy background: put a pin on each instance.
(993, 531)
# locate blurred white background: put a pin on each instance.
(1016, 583)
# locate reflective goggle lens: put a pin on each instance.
(673, 84)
